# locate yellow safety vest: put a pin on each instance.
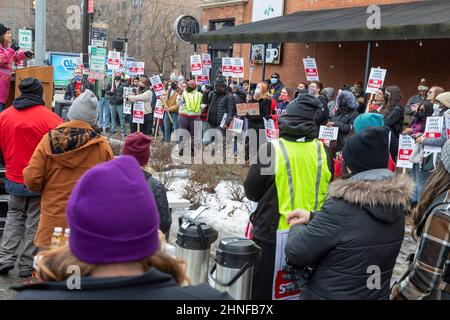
(302, 177)
(192, 103)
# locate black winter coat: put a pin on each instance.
(344, 121)
(275, 90)
(70, 90)
(214, 100)
(226, 105)
(153, 285)
(394, 121)
(322, 115)
(116, 98)
(257, 122)
(360, 227)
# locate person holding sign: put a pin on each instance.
(145, 96)
(345, 115)
(170, 110)
(9, 53)
(393, 117)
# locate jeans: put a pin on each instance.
(189, 125)
(420, 180)
(117, 110)
(22, 221)
(103, 113)
(169, 126)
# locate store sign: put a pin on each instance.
(25, 39)
(267, 9)
(185, 27)
(273, 53)
(99, 36)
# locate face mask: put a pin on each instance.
(312, 91)
(283, 97)
(274, 80)
(436, 107)
(421, 115)
(203, 88)
(189, 89)
(258, 91)
(173, 86)
(117, 78)
(78, 78)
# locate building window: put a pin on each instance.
(124, 6)
(219, 24)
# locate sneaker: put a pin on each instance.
(5, 268)
(25, 273)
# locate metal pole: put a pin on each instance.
(41, 31)
(264, 62)
(85, 33)
(368, 62)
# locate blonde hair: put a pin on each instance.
(265, 94)
(53, 265)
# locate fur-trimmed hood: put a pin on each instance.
(378, 192)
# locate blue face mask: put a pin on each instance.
(78, 78)
(274, 80)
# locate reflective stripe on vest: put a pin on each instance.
(192, 103)
(301, 177)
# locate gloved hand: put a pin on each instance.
(15, 47)
(29, 54)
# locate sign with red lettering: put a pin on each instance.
(204, 78)
(157, 85)
(238, 67)
(376, 80)
(434, 126)
(159, 110)
(113, 60)
(206, 61)
(311, 71)
(227, 67)
(138, 112)
(406, 146)
(196, 64)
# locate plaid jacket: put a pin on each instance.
(431, 267)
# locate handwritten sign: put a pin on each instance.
(406, 146)
(127, 91)
(247, 108)
(271, 131)
(328, 133)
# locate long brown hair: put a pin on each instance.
(3, 41)
(265, 94)
(438, 183)
(53, 265)
(394, 99)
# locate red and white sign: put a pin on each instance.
(136, 68)
(236, 125)
(227, 67)
(159, 110)
(196, 65)
(447, 123)
(434, 126)
(376, 80)
(238, 68)
(90, 6)
(406, 146)
(204, 78)
(206, 61)
(157, 85)
(311, 71)
(113, 60)
(138, 112)
(271, 131)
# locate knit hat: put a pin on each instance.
(329, 92)
(112, 214)
(445, 155)
(366, 120)
(367, 150)
(422, 85)
(346, 99)
(138, 145)
(3, 29)
(191, 83)
(304, 106)
(84, 108)
(444, 99)
(31, 86)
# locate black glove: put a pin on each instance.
(15, 47)
(28, 54)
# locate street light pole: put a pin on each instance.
(41, 31)
(85, 33)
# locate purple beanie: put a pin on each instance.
(112, 214)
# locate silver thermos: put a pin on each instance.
(194, 241)
(232, 271)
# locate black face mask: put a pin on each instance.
(189, 89)
(174, 86)
(117, 78)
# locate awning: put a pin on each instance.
(417, 20)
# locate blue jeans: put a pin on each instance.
(420, 179)
(18, 189)
(169, 126)
(117, 110)
(103, 113)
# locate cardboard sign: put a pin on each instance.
(406, 146)
(157, 85)
(238, 68)
(196, 65)
(328, 133)
(434, 127)
(25, 39)
(236, 125)
(138, 112)
(113, 60)
(204, 78)
(127, 91)
(227, 67)
(271, 131)
(311, 71)
(376, 80)
(159, 110)
(250, 108)
(206, 61)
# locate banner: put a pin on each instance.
(250, 108)
(157, 85)
(138, 112)
(311, 71)
(196, 65)
(406, 146)
(113, 60)
(271, 131)
(227, 67)
(206, 61)
(238, 68)
(127, 91)
(159, 110)
(376, 80)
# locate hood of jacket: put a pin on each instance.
(28, 100)
(379, 192)
(294, 127)
(69, 143)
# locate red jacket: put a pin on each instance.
(20, 133)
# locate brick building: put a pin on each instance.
(339, 62)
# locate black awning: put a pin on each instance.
(417, 20)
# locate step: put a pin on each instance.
(4, 198)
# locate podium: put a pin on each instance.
(44, 74)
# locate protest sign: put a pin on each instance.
(224, 120)
(127, 91)
(227, 67)
(157, 85)
(113, 60)
(247, 108)
(138, 112)
(97, 59)
(376, 80)
(204, 78)
(447, 122)
(433, 127)
(238, 68)
(328, 133)
(311, 71)
(406, 146)
(271, 131)
(206, 61)
(196, 65)
(159, 110)
(135, 68)
(236, 125)
(25, 39)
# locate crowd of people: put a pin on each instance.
(343, 203)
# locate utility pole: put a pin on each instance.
(85, 33)
(41, 31)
